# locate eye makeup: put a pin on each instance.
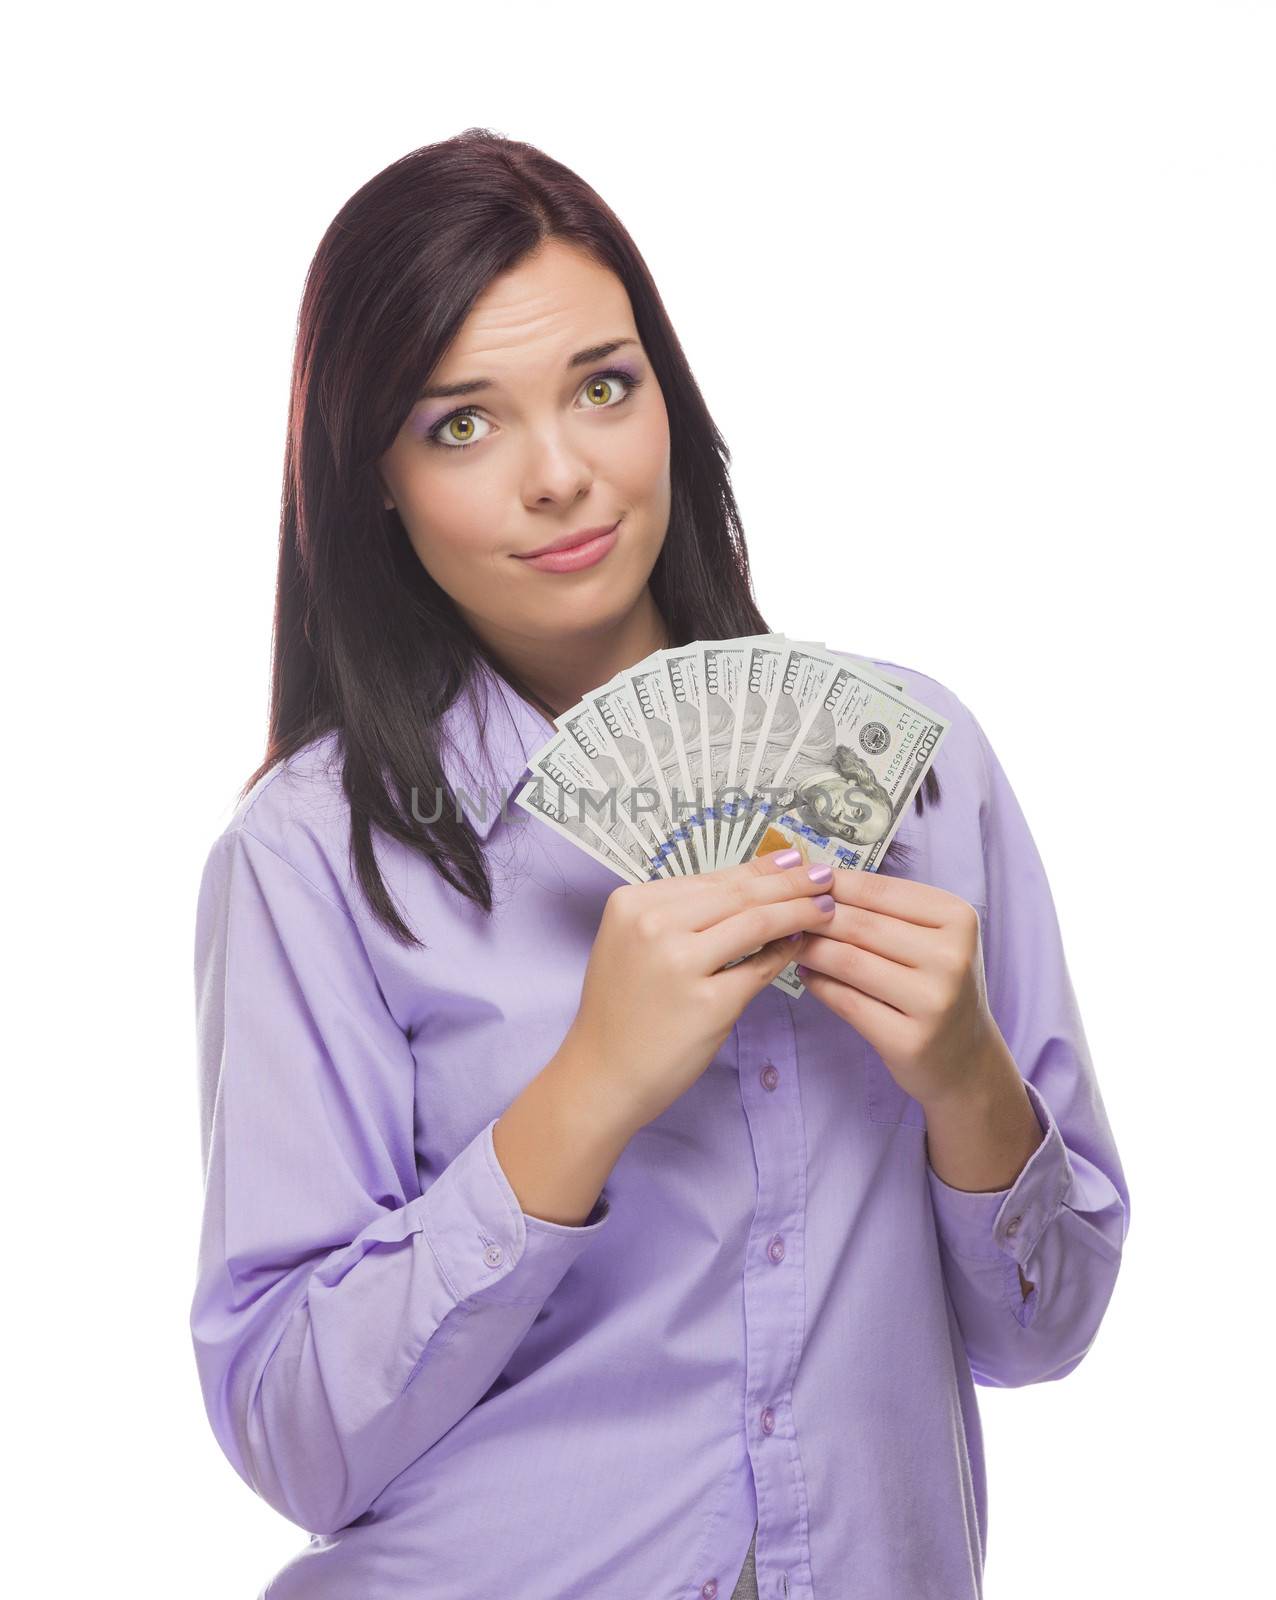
(430, 429)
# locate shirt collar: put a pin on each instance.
(487, 735)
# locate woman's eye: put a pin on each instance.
(602, 386)
(457, 431)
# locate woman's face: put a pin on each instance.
(542, 444)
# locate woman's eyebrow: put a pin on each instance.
(582, 358)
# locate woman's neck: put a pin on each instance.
(562, 672)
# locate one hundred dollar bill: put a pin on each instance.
(840, 792)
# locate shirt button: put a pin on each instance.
(770, 1075)
(710, 1589)
(493, 1255)
(1013, 1225)
(776, 1249)
(768, 1420)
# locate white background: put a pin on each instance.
(982, 299)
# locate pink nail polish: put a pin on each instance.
(825, 902)
(786, 858)
(822, 874)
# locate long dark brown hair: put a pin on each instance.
(365, 642)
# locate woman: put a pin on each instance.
(544, 1253)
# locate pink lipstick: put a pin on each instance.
(574, 551)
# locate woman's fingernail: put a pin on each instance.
(822, 874)
(791, 936)
(825, 902)
(803, 972)
(786, 858)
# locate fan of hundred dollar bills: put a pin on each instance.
(708, 754)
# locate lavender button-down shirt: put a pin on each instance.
(776, 1313)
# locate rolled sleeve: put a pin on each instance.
(488, 1248)
(1006, 1224)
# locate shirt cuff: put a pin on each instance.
(487, 1247)
(987, 1226)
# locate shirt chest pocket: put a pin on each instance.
(884, 1099)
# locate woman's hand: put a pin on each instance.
(902, 963)
(655, 1003)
